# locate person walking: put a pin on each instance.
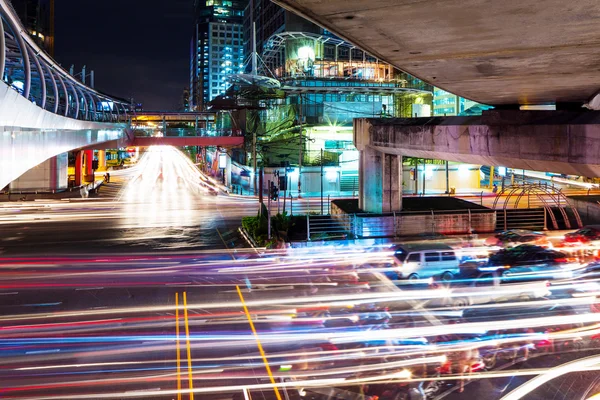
(107, 177)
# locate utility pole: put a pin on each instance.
(269, 212)
(321, 181)
(254, 72)
(424, 174)
(300, 151)
(285, 187)
(447, 179)
(254, 164)
(254, 60)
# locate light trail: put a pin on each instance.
(585, 364)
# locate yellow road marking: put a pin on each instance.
(260, 348)
(189, 350)
(177, 346)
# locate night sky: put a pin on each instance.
(137, 48)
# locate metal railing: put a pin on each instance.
(188, 132)
(32, 73)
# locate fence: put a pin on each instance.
(521, 218)
(295, 206)
(404, 223)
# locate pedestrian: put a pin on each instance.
(495, 189)
(107, 177)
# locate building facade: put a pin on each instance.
(217, 48)
(38, 18)
(448, 104)
(327, 82)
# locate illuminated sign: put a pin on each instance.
(222, 160)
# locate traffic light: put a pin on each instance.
(282, 183)
(94, 164)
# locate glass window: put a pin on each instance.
(448, 256)
(414, 257)
(432, 257)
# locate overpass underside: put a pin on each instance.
(494, 52)
(554, 141)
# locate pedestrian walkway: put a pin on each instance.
(110, 190)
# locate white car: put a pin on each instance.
(489, 289)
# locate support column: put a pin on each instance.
(392, 183)
(78, 167)
(101, 160)
(380, 181)
(89, 172)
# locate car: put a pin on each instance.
(489, 289)
(517, 342)
(589, 234)
(515, 237)
(530, 262)
(422, 261)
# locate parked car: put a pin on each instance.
(427, 260)
(515, 237)
(529, 262)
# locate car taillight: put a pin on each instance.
(478, 366)
(561, 260)
(543, 343)
(329, 347)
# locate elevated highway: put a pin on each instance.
(561, 141)
(495, 52)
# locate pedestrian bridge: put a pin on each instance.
(45, 112)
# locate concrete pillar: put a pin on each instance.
(78, 167)
(101, 160)
(380, 181)
(89, 172)
(392, 183)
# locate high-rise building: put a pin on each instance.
(38, 18)
(448, 104)
(217, 48)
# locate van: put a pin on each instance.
(423, 261)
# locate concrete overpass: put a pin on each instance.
(495, 52)
(561, 141)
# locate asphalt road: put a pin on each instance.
(92, 306)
